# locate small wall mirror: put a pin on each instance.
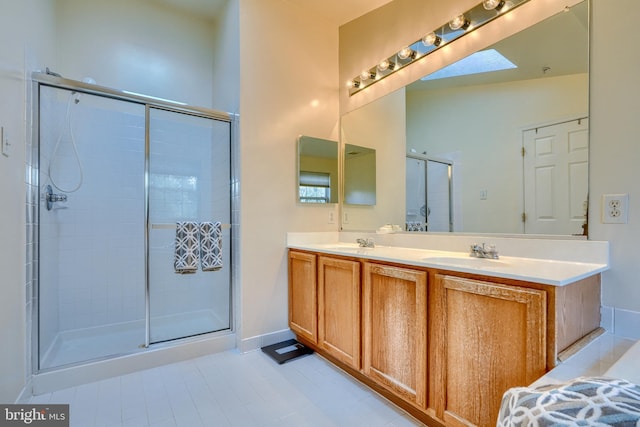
(317, 170)
(359, 175)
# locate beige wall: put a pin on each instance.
(24, 36)
(615, 144)
(226, 78)
(288, 74)
(138, 46)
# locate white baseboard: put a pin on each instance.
(259, 341)
(620, 322)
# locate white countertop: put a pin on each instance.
(545, 271)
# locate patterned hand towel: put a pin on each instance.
(211, 246)
(186, 255)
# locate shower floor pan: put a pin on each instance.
(80, 345)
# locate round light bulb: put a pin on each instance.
(493, 4)
(431, 39)
(383, 65)
(458, 22)
(405, 53)
(364, 75)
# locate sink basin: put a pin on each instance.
(470, 262)
(347, 247)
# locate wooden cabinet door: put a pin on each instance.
(494, 338)
(339, 309)
(394, 328)
(303, 313)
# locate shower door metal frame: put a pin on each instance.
(57, 82)
(426, 159)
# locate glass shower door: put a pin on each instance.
(91, 296)
(189, 181)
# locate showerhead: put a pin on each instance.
(76, 95)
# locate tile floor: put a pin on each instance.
(233, 389)
(229, 389)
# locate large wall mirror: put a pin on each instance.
(317, 170)
(513, 141)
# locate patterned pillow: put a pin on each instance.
(585, 401)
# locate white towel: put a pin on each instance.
(211, 246)
(186, 253)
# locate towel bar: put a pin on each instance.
(173, 226)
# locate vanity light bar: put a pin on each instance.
(458, 26)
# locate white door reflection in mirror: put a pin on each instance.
(556, 166)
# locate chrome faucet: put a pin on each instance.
(366, 243)
(483, 251)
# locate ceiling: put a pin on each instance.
(340, 12)
(337, 12)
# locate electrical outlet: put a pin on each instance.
(332, 218)
(345, 218)
(615, 208)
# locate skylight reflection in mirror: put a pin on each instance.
(484, 61)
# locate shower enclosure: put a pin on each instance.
(428, 194)
(115, 172)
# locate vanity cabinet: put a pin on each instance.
(303, 310)
(490, 337)
(441, 344)
(339, 309)
(324, 304)
(394, 330)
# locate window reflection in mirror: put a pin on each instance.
(317, 170)
(359, 175)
